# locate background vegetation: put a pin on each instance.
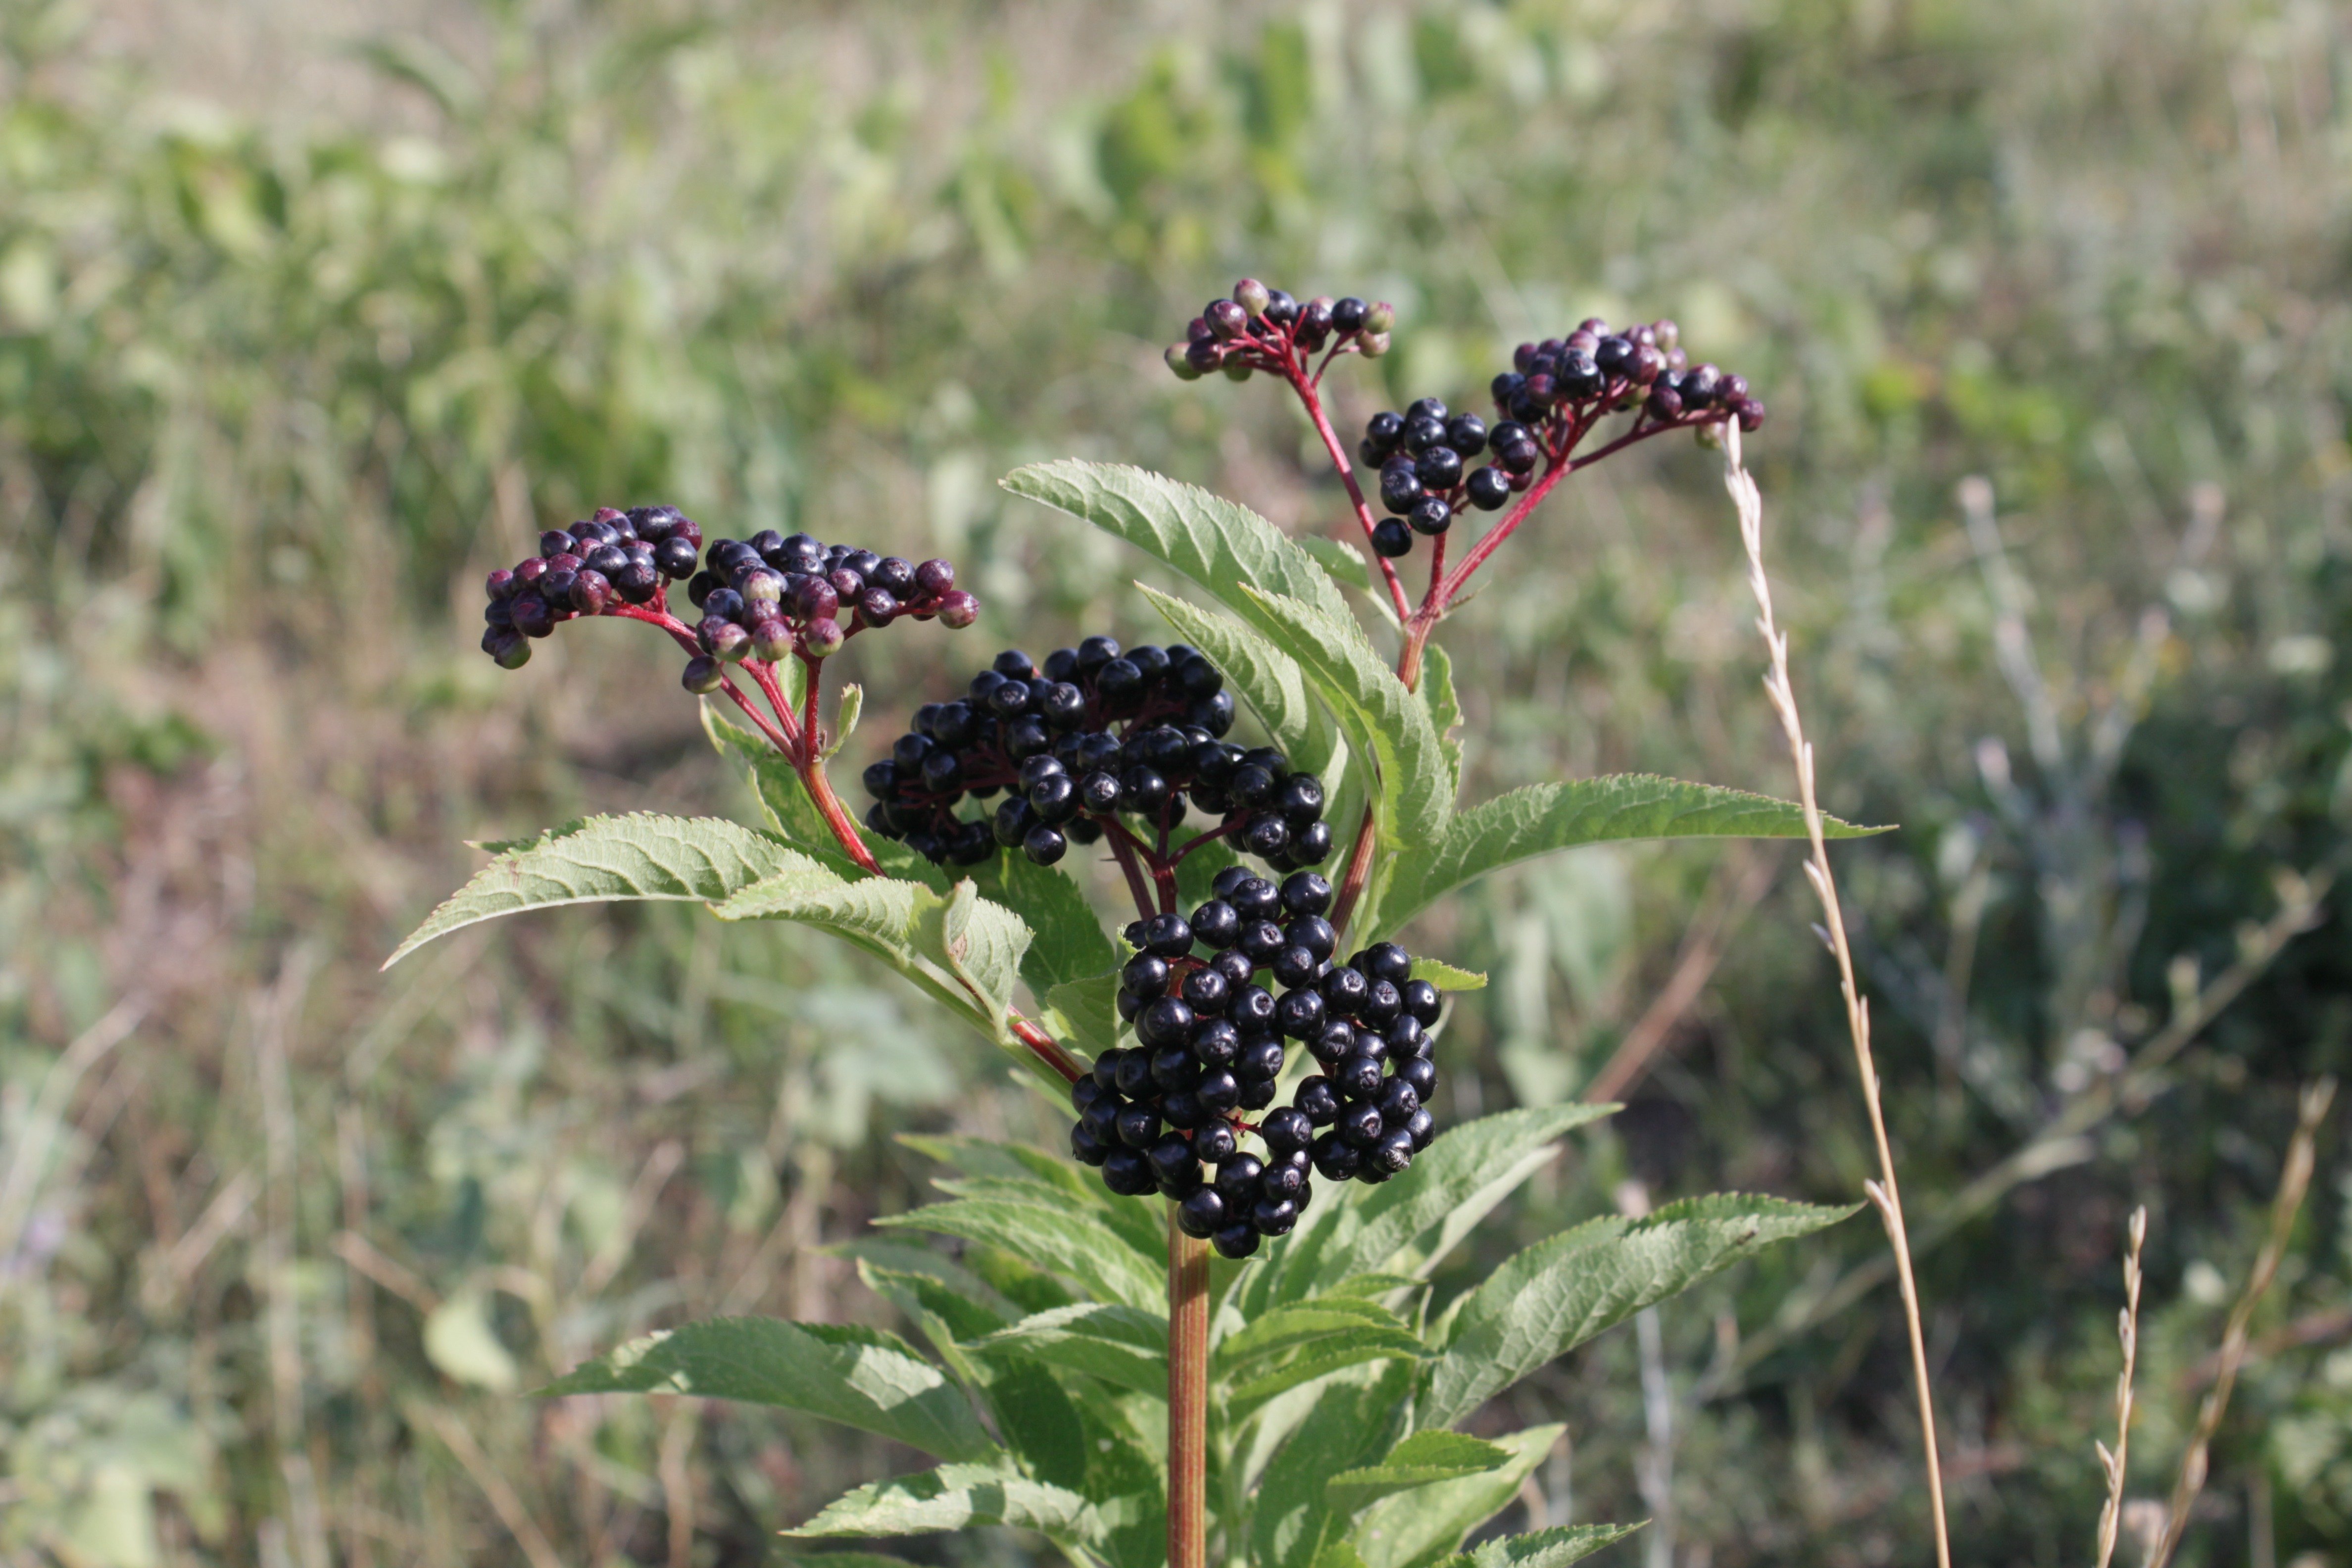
(306, 319)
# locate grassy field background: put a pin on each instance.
(311, 315)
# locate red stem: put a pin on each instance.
(1188, 1397)
(1122, 850)
(1311, 396)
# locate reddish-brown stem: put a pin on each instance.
(765, 676)
(1188, 1397)
(1122, 850)
(1359, 871)
(1047, 1049)
(1310, 396)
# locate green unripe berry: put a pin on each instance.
(1380, 318)
(1180, 361)
(1373, 345)
(702, 675)
(1252, 296)
(823, 638)
(772, 639)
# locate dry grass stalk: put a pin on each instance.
(2295, 1181)
(2126, 1330)
(1885, 1194)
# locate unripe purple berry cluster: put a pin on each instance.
(1093, 735)
(1554, 391)
(591, 568)
(1265, 329)
(1214, 1042)
(774, 596)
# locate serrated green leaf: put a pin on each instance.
(846, 711)
(953, 1497)
(1560, 1292)
(1218, 543)
(1445, 706)
(1381, 719)
(1407, 1224)
(1445, 977)
(783, 797)
(1127, 1346)
(1539, 818)
(983, 943)
(1069, 1242)
(1418, 1460)
(601, 859)
(1263, 676)
(1415, 1527)
(1354, 1419)
(1347, 566)
(859, 1376)
(1011, 1173)
(1088, 1010)
(1542, 1548)
(1241, 1354)
(1069, 944)
(946, 1316)
(1319, 1360)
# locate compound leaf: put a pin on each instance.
(1068, 1241)
(955, 1498)
(601, 859)
(1268, 680)
(1560, 1292)
(1418, 1460)
(859, 1376)
(1542, 1548)
(1123, 1345)
(1413, 1528)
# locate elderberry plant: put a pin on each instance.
(1308, 1418)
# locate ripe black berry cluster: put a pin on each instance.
(592, 568)
(1556, 389)
(1265, 329)
(772, 595)
(1091, 735)
(1214, 1042)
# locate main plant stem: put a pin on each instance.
(1188, 1397)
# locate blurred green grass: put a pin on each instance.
(283, 369)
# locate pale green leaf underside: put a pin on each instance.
(1264, 676)
(1539, 818)
(1066, 1241)
(1218, 543)
(1347, 566)
(1542, 1548)
(1414, 1527)
(953, 1497)
(1560, 1292)
(598, 859)
(1362, 1324)
(1381, 719)
(1123, 1345)
(860, 1377)
(1423, 1458)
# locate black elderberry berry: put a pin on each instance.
(1344, 990)
(1260, 940)
(1334, 1042)
(1206, 992)
(1152, 661)
(1280, 308)
(1173, 1069)
(1255, 898)
(1284, 1181)
(1422, 1001)
(1216, 924)
(1440, 467)
(1426, 408)
(1260, 1058)
(1383, 431)
(1348, 314)
(1405, 1037)
(1399, 486)
(1286, 1131)
(1272, 1216)
(1336, 1161)
(1235, 1241)
(1358, 1077)
(1216, 712)
(1219, 1091)
(1139, 1126)
(1357, 1124)
(1615, 355)
(1314, 933)
(1134, 1073)
(1429, 515)
(1213, 1142)
(1129, 1174)
(1237, 1177)
(1466, 433)
(1579, 375)
(1293, 966)
(1398, 1099)
(1490, 487)
(1105, 1070)
(1299, 1013)
(1235, 967)
(1099, 792)
(1202, 1214)
(1420, 1073)
(971, 844)
(1167, 935)
(1251, 1007)
(1216, 1042)
(1012, 822)
(1252, 785)
(1317, 1101)
(1119, 686)
(1182, 1110)
(1392, 537)
(1166, 1022)
(1422, 1129)
(1044, 845)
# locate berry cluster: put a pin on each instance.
(1550, 397)
(1214, 1042)
(1092, 734)
(762, 598)
(772, 595)
(613, 559)
(1265, 329)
